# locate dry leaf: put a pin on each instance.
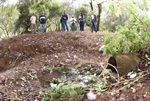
(133, 90)
(22, 91)
(145, 95)
(36, 100)
(6, 79)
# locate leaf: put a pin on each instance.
(40, 92)
(65, 87)
(74, 86)
(53, 85)
(118, 13)
(72, 93)
(133, 90)
(24, 79)
(108, 40)
(145, 95)
(22, 92)
(147, 57)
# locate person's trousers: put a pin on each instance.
(42, 27)
(73, 27)
(93, 26)
(64, 25)
(33, 28)
(81, 25)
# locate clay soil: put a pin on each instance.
(27, 54)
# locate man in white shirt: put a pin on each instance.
(33, 23)
(73, 21)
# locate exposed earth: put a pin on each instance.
(26, 61)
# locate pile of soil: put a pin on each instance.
(23, 57)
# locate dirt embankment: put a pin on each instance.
(18, 49)
(24, 56)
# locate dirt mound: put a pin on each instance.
(26, 61)
(20, 48)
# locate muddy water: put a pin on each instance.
(77, 74)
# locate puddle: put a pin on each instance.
(85, 74)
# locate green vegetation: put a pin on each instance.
(85, 12)
(70, 91)
(133, 36)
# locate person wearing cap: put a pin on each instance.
(33, 23)
(42, 20)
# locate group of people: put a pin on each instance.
(42, 20)
(80, 20)
(64, 21)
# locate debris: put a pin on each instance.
(131, 75)
(91, 96)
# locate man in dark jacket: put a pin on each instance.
(42, 20)
(93, 22)
(64, 19)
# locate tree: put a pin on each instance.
(135, 35)
(50, 8)
(24, 17)
(85, 12)
(2, 2)
(7, 19)
(55, 13)
(99, 12)
(91, 5)
(99, 15)
(52, 11)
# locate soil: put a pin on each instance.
(25, 58)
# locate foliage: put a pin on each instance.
(51, 10)
(115, 14)
(7, 20)
(85, 12)
(55, 13)
(2, 2)
(67, 6)
(24, 18)
(132, 37)
(76, 89)
(110, 22)
(63, 91)
(70, 91)
(127, 83)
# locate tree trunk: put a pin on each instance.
(91, 4)
(99, 15)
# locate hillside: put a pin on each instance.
(27, 60)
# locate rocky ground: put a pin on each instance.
(26, 62)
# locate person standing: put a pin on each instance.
(73, 23)
(93, 22)
(64, 19)
(33, 23)
(42, 20)
(81, 21)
